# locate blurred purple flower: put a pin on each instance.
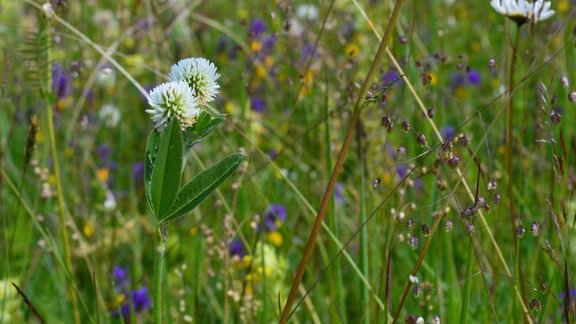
(221, 44)
(474, 77)
(278, 210)
(257, 104)
(458, 79)
(401, 169)
(61, 85)
(138, 171)
(307, 50)
(572, 293)
(119, 273)
(418, 184)
(339, 193)
(237, 248)
(103, 152)
(275, 213)
(269, 43)
(389, 77)
(140, 299)
(257, 27)
(272, 154)
(448, 132)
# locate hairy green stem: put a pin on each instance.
(62, 209)
(364, 264)
(336, 271)
(509, 128)
(339, 162)
(468, 287)
(509, 156)
(159, 276)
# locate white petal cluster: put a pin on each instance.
(173, 99)
(522, 11)
(200, 74)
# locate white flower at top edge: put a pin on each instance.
(522, 11)
(173, 99)
(307, 12)
(201, 76)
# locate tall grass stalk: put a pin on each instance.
(464, 309)
(62, 208)
(364, 247)
(339, 292)
(510, 153)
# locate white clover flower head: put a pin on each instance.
(413, 279)
(48, 10)
(522, 11)
(173, 100)
(307, 12)
(201, 76)
(110, 115)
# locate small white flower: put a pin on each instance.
(522, 11)
(200, 75)
(110, 115)
(420, 320)
(48, 10)
(413, 279)
(307, 12)
(173, 99)
(110, 202)
(106, 77)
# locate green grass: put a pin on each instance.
(77, 207)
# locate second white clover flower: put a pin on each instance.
(201, 76)
(173, 100)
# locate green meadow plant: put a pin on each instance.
(179, 123)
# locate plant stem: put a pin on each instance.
(336, 270)
(509, 155)
(159, 276)
(62, 209)
(509, 128)
(339, 162)
(364, 264)
(468, 287)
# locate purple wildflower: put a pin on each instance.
(60, 81)
(418, 184)
(237, 248)
(257, 105)
(458, 79)
(140, 299)
(269, 43)
(448, 132)
(278, 210)
(572, 291)
(257, 27)
(474, 77)
(138, 171)
(401, 169)
(103, 152)
(339, 193)
(272, 154)
(307, 50)
(275, 214)
(119, 273)
(389, 77)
